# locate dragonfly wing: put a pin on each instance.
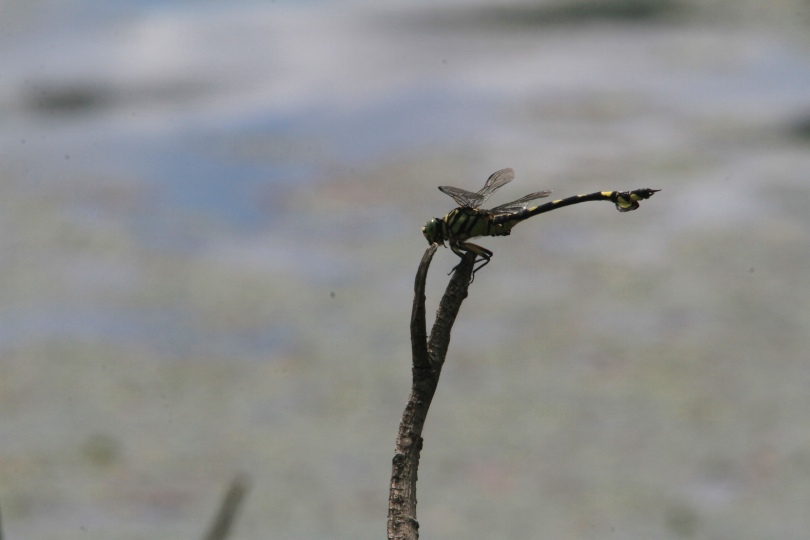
(519, 204)
(463, 197)
(495, 180)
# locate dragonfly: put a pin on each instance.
(469, 220)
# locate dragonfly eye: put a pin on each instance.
(431, 231)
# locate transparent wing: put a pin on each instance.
(519, 204)
(474, 200)
(463, 197)
(496, 180)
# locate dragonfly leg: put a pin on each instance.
(482, 252)
(457, 250)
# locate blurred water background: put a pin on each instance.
(209, 228)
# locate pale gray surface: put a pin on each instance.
(210, 225)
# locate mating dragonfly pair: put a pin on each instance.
(468, 220)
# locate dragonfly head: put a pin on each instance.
(433, 231)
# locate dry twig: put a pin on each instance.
(428, 358)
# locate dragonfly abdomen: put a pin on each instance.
(625, 201)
